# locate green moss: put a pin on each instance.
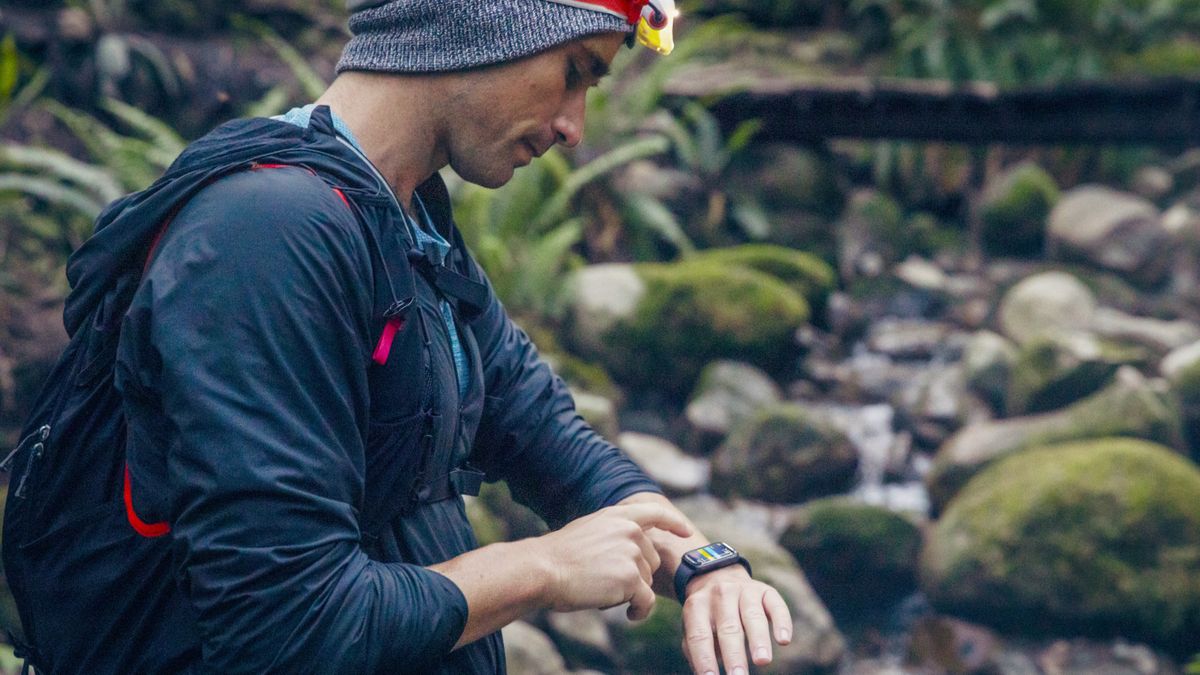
(785, 456)
(852, 551)
(1049, 375)
(805, 273)
(1100, 536)
(697, 312)
(1014, 212)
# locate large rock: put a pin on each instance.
(1014, 210)
(1112, 230)
(1184, 376)
(1053, 372)
(727, 393)
(987, 366)
(1098, 536)
(582, 637)
(852, 552)
(1045, 305)
(1158, 336)
(784, 455)
(530, 652)
(602, 296)
(684, 316)
(1130, 406)
(806, 274)
(662, 460)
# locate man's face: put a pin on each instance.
(505, 115)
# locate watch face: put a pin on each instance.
(709, 555)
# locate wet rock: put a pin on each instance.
(853, 553)
(817, 645)
(1179, 360)
(1085, 657)
(1046, 304)
(652, 645)
(1130, 406)
(1090, 537)
(1160, 337)
(1184, 376)
(1112, 230)
(935, 397)
(948, 645)
(528, 650)
(1153, 182)
(1014, 209)
(599, 412)
(987, 366)
(675, 472)
(908, 339)
(727, 393)
(582, 637)
(603, 296)
(1054, 372)
(784, 455)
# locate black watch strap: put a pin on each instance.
(703, 560)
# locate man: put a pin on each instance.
(311, 359)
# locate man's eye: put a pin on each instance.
(573, 76)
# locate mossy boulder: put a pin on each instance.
(805, 273)
(726, 393)
(1131, 407)
(784, 455)
(988, 361)
(853, 552)
(1014, 210)
(692, 313)
(1053, 372)
(1185, 383)
(1045, 305)
(1093, 537)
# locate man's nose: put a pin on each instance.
(568, 123)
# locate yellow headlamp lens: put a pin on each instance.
(655, 27)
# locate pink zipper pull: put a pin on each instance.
(384, 348)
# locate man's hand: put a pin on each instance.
(724, 608)
(606, 558)
(737, 608)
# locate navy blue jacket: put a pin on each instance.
(304, 482)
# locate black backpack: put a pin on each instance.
(69, 550)
(73, 546)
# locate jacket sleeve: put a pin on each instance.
(260, 304)
(532, 437)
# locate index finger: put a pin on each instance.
(657, 515)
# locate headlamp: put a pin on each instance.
(655, 19)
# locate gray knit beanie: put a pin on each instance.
(425, 36)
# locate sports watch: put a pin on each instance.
(704, 560)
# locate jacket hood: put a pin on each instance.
(125, 229)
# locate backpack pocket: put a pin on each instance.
(98, 584)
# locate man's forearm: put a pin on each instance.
(501, 582)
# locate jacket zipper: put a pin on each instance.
(40, 435)
(37, 451)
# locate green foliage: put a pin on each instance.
(522, 234)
